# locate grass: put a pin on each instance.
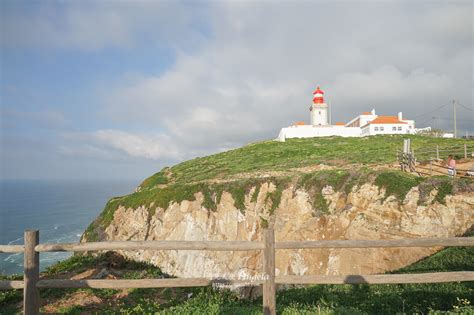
(447, 298)
(445, 186)
(160, 178)
(397, 183)
(184, 180)
(273, 156)
(153, 198)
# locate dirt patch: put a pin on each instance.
(75, 299)
(335, 164)
(88, 274)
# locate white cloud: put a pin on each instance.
(387, 88)
(258, 71)
(91, 26)
(114, 144)
(136, 145)
(255, 71)
(45, 119)
(240, 71)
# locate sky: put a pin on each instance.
(120, 89)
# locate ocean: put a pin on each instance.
(60, 209)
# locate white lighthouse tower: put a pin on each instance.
(319, 109)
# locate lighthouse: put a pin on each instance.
(319, 109)
(365, 124)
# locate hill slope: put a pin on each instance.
(236, 171)
(287, 157)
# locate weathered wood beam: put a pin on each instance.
(12, 248)
(11, 284)
(433, 277)
(140, 283)
(152, 245)
(412, 242)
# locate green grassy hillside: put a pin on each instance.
(294, 153)
(351, 161)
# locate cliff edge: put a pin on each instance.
(311, 189)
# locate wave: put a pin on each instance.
(13, 263)
(12, 257)
(15, 241)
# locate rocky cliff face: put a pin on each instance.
(323, 212)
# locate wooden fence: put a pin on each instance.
(31, 281)
(438, 153)
(427, 162)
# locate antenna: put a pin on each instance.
(455, 127)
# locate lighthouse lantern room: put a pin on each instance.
(319, 109)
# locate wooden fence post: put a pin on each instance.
(31, 303)
(465, 151)
(437, 152)
(269, 299)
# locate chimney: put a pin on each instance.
(373, 112)
(400, 116)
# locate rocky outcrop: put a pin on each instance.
(363, 212)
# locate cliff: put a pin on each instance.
(224, 198)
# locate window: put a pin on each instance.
(399, 128)
(394, 128)
(376, 128)
(381, 128)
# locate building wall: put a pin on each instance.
(357, 127)
(387, 129)
(361, 120)
(309, 131)
(319, 115)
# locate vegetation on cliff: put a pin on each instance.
(394, 182)
(273, 156)
(351, 161)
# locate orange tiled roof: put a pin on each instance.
(387, 120)
(300, 123)
(366, 113)
(340, 124)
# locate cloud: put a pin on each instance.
(112, 144)
(242, 70)
(387, 88)
(150, 147)
(46, 119)
(92, 26)
(253, 78)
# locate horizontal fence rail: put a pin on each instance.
(32, 283)
(152, 245)
(417, 242)
(12, 248)
(240, 245)
(434, 277)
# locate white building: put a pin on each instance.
(388, 125)
(366, 124)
